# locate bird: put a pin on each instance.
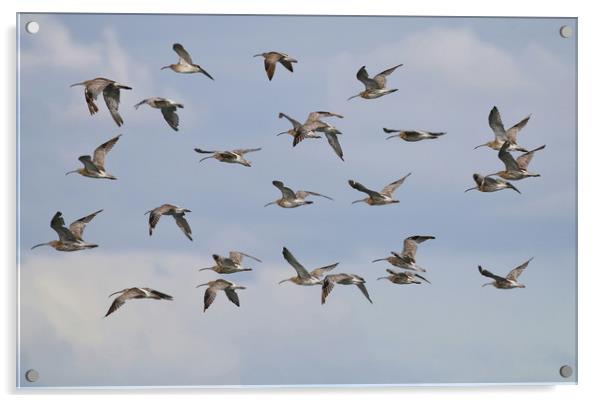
(508, 282)
(185, 64)
(135, 293)
(489, 184)
(404, 277)
(168, 109)
(220, 285)
(230, 264)
(270, 60)
(231, 157)
(110, 92)
(375, 86)
(94, 167)
(70, 239)
(292, 199)
(313, 124)
(413, 135)
(169, 209)
(501, 134)
(381, 198)
(304, 277)
(345, 279)
(516, 169)
(407, 258)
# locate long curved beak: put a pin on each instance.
(382, 278)
(281, 133)
(482, 145)
(379, 260)
(40, 244)
(201, 285)
(486, 284)
(357, 201)
(270, 203)
(206, 158)
(71, 172)
(350, 98)
(165, 67)
(392, 137)
(206, 268)
(116, 292)
(284, 281)
(470, 189)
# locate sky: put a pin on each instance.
(451, 331)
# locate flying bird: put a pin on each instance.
(230, 264)
(70, 239)
(489, 184)
(110, 92)
(135, 293)
(375, 86)
(270, 60)
(304, 277)
(508, 282)
(231, 157)
(94, 167)
(404, 277)
(381, 198)
(344, 279)
(516, 169)
(185, 64)
(312, 125)
(168, 209)
(168, 109)
(291, 199)
(220, 285)
(413, 135)
(407, 258)
(502, 135)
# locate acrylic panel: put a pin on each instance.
(204, 123)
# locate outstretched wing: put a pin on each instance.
(507, 158)
(301, 271)
(391, 187)
(287, 193)
(489, 274)
(210, 294)
(237, 257)
(362, 188)
(302, 194)
(102, 150)
(525, 159)
(314, 116)
(514, 273)
(88, 163)
(381, 78)
(512, 133)
(327, 287)
(495, 122)
(243, 151)
(184, 55)
(111, 96)
(232, 296)
(319, 272)
(77, 227)
(364, 291)
(333, 140)
(296, 124)
(117, 303)
(171, 117)
(183, 224)
(58, 224)
(362, 75)
(410, 244)
(159, 295)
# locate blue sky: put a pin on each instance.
(454, 71)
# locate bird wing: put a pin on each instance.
(102, 150)
(364, 291)
(117, 303)
(296, 124)
(301, 271)
(514, 273)
(362, 188)
(96, 86)
(512, 133)
(327, 287)
(243, 151)
(495, 122)
(159, 295)
(333, 141)
(87, 161)
(421, 277)
(58, 224)
(409, 249)
(232, 296)
(270, 67)
(391, 187)
(287, 193)
(288, 64)
(489, 274)
(381, 78)
(507, 158)
(524, 160)
(319, 272)
(111, 96)
(369, 83)
(184, 55)
(237, 257)
(171, 117)
(302, 194)
(314, 116)
(77, 227)
(183, 224)
(155, 215)
(210, 294)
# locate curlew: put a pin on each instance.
(404, 277)
(508, 282)
(168, 209)
(110, 92)
(230, 264)
(516, 169)
(375, 198)
(292, 199)
(407, 258)
(70, 239)
(270, 60)
(94, 167)
(231, 157)
(185, 64)
(220, 285)
(304, 277)
(375, 86)
(135, 293)
(501, 134)
(344, 279)
(313, 124)
(168, 109)
(413, 135)
(489, 184)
